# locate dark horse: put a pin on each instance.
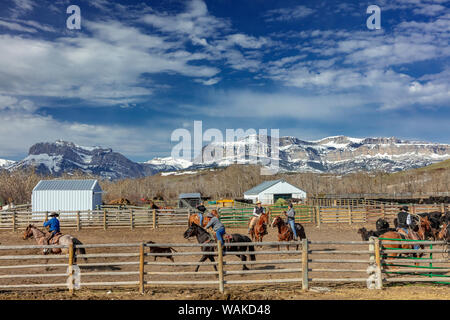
(203, 236)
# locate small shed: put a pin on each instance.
(193, 199)
(66, 195)
(269, 192)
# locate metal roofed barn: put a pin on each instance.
(66, 195)
(269, 192)
(186, 200)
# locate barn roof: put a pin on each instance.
(262, 186)
(65, 185)
(189, 195)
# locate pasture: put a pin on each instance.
(161, 271)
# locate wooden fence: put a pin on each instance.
(132, 265)
(231, 217)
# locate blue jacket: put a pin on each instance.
(53, 223)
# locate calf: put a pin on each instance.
(161, 250)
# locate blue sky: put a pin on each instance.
(137, 70)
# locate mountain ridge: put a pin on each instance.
(336, 154)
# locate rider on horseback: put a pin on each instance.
(291, 219)
(405, 223)
(217, 226)
(53, 225)
(201, 208)
(257, 212)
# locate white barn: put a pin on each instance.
(269, 192)
(66, 195)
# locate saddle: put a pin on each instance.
(55, 238)
(227, 238)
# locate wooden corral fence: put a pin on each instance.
(432, 266)
(105, 219)
(232, 217)
(132, 265)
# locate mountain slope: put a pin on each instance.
(61, 156)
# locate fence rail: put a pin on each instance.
(133, 265)
(232, 217)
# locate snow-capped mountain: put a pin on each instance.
(5, 163)
(337, 154)
(66, 157)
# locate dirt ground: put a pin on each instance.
(319, 290)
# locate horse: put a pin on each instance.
(194, 230)
(260, 228)
(285, 233)
(424, 227)
(444, 232)
(193, 218)
(66, 240)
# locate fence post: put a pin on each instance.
(78, 221)
(188, 215)
(318, 216)
(384, 211)
(131, 219)
(349, 214)
(70, 269)
(14, 220)
(46, 215)
(154, 219)
(305, 283)
(220, 265)
(104, 219)
(442, 208)
(141, 268)
(379, 280)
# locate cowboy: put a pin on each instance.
(217, 226)
(290, 214)
(53, 225)
(257, 212)
(201, 208)
(404, 221)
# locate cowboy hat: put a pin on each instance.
(258, 202)
(54, 214)
(404, 208)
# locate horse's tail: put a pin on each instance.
(75, 241)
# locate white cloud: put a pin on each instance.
(16, 27)
(104, 68)
(287, 14)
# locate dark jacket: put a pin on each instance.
(402, 217)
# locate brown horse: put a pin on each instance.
(444, 233)
(193, 218)
(424, 229)
(260, 228)
(66, 240)
(285, 233)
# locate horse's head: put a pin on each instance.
(264, 218)
(444, 232)
(276, 221)
(28, 232)
(191, 231)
